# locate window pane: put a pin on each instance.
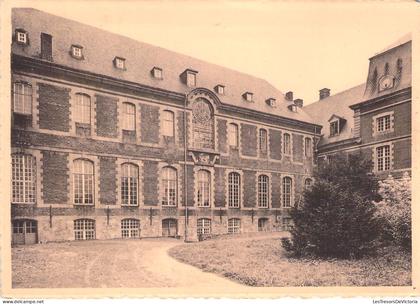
(169, 182)
(83, 182)
(129, 184)
(203, 185)
(233, 135)
(22, 98)
(82, 109)
(233, 189)
(129, 117)
(168, 123)
(23, 178)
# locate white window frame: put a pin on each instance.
(119, 63)
(23, 178)
(203, 226)
(22, 97)
(233, 135)
(130, 228)
(82, 108)
(87, 179)
(234, 225)
(129, 116)
(263, 191)
(286, 196)
(169, 187)
(84, 229)
(220, 89)
(129, 184)
(157, 73)
(234, 184)
(204, 188)
(21, 37)
(168, 123)
(263, 141)
(380, 127)
(287, 149)
(249, 96)
(77, 51)
(383, 158)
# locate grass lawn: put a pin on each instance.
(262, 262)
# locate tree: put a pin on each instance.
(394, 210)
(336, 216)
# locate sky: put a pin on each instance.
(296, 46)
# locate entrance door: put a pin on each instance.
(169, 227)
(263, 224)
(24, 232)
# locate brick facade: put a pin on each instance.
(55, 177)
(106, 116)
(54, 107)
(107, 181)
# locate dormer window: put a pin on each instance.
(220, 89)
(248, 96)
(21, 36)
(189, 77)
(334, 127)
(157, 73)
(77, 51)
(271, 102)
(119, 63)
(293, 108)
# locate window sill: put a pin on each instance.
(24, 203)
(125, 205)
(382, 132)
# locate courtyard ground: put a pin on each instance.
(108, 264)
(262, 262)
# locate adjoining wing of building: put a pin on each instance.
(373, 118)
(115, 138)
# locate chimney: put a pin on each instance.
(289, 96)
(324, 93)
(298, 102)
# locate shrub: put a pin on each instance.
(394, 210)
(336, 216)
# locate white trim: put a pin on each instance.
(375, 158)
(375, 118)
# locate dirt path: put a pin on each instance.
(109, 264)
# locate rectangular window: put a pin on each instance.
(83, 182)
(334, 128)
(383, 123)
(22, 98)
(383, 158)
(203, 226)
(129, 117)
(287, 223)
(169, 182)
(46, 46)
(119, 63)
(287, 149)
(129, 184)
(234, 185)
(233, 133)
(168, 124)
(308, 147)
(82, 109)
(84, 229)
(21, 37)
(23, 178)
(234, 226)
(130, 228)
(263, 190)
(203, 185)
(263, 141)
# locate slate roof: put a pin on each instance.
(338, 105)
(101, 47)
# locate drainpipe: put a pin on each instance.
(185, 168)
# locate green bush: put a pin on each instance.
(394, 210)
(336, 216)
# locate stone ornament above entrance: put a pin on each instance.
(204, 159)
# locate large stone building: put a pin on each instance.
(373, 118)
(113, 138)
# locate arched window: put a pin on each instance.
(23, 178)
(234, 184)
(308, 147)
(169, 183)
(84, 229)
(308, 183)
(82, 108)
(287, 192)
(263, 141)
(130, 228)
(83, 182)
(263, 191)
(286, 144)
(129, 184)
(203, 226)
(129, 117)
(203, 124)
(168, 123)
(203, 191)
(233, 133)
(22, 98)
(234, 225)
